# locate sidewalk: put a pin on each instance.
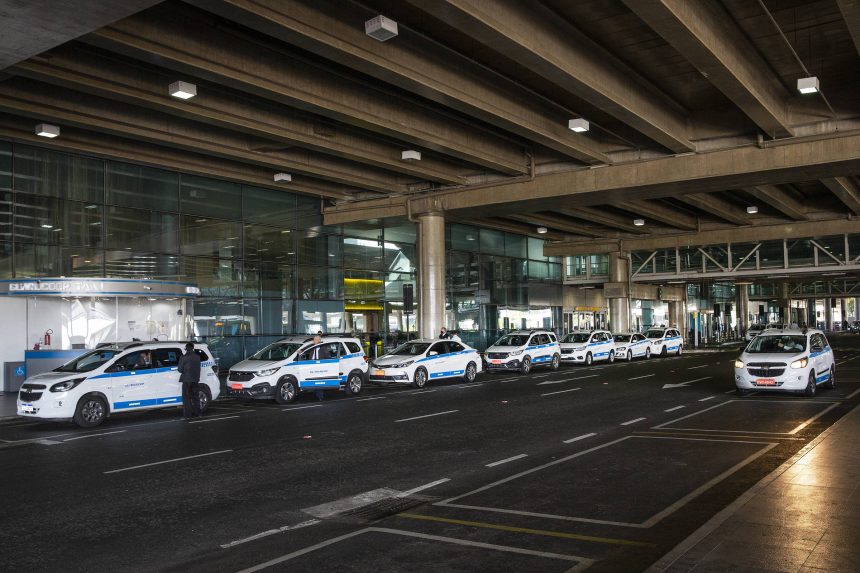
(8, 405)
(804, 517)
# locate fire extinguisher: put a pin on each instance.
(48, 334)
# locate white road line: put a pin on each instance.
(541, 376)
(167, 462)
(213, 419)
(301, 407)
(271, 532)
(93, 435)
(409, 492)
(418, 392)
(427, 416)
(577, 438)
(675, 408)
(640, 377)
(472, 385)
(852, 394)
(695, 367)
(561, 392)
(628, 422)
(567, 380)
(371, 398)
(506, 460)
(706, 399)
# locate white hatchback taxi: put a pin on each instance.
(419, 361)
(665, 340)
(789, 359)
(588, 347)
(121, 377)
(522, 349)
(630, 345)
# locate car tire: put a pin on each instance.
(664, 352)
(831, 382)
(811, 386)
(526, 365)
(680, 350)
(647, 353)
(589, 359)
(611, 356)
(354, 384)
(203, 399)
(287, 391)
(556, 362)
(90, 412)
(419, 379)
(629, 356)
(470, 373)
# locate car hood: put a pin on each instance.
(504, 348)
(390, 359)
(575, 344)
(786, 357)
(48, 377)
(256, 365)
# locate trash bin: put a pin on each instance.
(14, 374)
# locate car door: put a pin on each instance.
(457, 359)
(437, 360)
(133, 383)
(319, 372)
(817, 354)
(166, 375)
(638, 345)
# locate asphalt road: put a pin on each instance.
(601, 468)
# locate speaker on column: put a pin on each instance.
(716, 309)
(728, 308)
(761, 309)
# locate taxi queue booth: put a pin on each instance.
(49, 321)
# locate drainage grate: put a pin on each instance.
(382, 508)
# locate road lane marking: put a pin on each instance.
(506, 460)
(706, 399)
(695, 367)
(213, 419)
(560, 392)
(675, 408)
(371, 398)
(472, 385)
(271, 532)
(628, 422)
(577, 438)
(409, 492)
(417, 392)
(301, 407)
(640, 377)
(541, 376)
(426, 416)
(167, 461)
(94, 435)
(550, 382)
(513, 529)
(852, 394)
(682, 384)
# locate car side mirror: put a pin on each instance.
(432, 353)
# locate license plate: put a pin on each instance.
(28, 409)
(236, 386)
(765, 382)
(379, 372)
(495, 361)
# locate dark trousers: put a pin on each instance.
(190, 407)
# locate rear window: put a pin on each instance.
(165, 357)
(353, 347)
(203, 356)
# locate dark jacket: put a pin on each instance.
(323, 353)
(189, 368)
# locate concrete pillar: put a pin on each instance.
(431, 274)
(857, 308)
(743, 293)
(828, 315)
(676, 316)
(619, 308)
(844, 315)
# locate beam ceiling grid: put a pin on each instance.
(851, 13)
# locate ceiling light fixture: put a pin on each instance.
(47, 226)
(47, 130)
(807, 85)
(542, 230)
(578, 125)
(182, 90)
(639, 222)
(380, 28)
(752, 209)
(286, 177)
(410, 155)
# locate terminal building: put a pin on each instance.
(235, 171)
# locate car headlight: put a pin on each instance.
(621, 348)
(402, 364)
(515, 353)
(800, 363)
(66, 385)
(579, 348)
(268, 372)
(739, 364)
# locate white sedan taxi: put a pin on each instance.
(630, 345)
(419, 361)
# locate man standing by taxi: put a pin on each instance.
(189, 377)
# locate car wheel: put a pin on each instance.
(90, 412)
(470, 373)
(611, 356)
(526, 366)
(589, 360)
(287, 391)
(647, 353)
(203, 399)
(354, 383)
(556, 361)
(810, 386)
(680, 350)
(663, 352)
(419, 380)
(629, 355)
(831, 382)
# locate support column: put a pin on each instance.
(431, 274)
(828, 315)
(844, 315)
(676, 316)
(743, 292)
(619, 306)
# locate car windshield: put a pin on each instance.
(654, 334)
(512, 340)
(276, 351)
(776, 344)
(89, 361)
(622, 338)
(576, 337)
(410, 349)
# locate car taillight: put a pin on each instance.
(366, 359)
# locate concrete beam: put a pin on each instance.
(557, 223)
(846, 190)
(533, 35)
(229, 57)
(332, 29)
(717, 207)
(707, 36)
(779, 199)
(851, 12)
(512, 227)
(83, 69)
(662, 213)
(597, 215)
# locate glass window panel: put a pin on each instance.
(555, 272)
(215, 277)
(210, 197)
(44, 172)
(363, 285)
(394, 287)
(211, 237)
(5, 165)
(536, 249)
(492, 242)
(319, 249)
(269, 244)
(139, 230)
(516, 246)
(801, 253)
(269, 206)
(52, 221)
(665, 260)
(718, 253)
(463, 269)
(691, 260)
(362, 253)
(55, 261)
(142, 187)
(319, 283)
(269, 279)
(138, 265)
(576, 265)
(834, 245)
(370, 229)
(400, 257)
(854, 246)
(741, 250)
(599, 265)
(325, 315)
(275, 316)
(6, 214)
(6, 269)
(464, 238)
(538, 270)
(770, 255)
(399, 231)
(496, 269)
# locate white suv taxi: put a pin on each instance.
(284, 368)
(790, 359)
(586, 347)
(522, 349)
(665, 340)
(630, 345)
(121, 377)
(419, 361)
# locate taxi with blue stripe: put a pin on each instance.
(417, 362)
(588, 347)
(665, 340)
(630, 345)
(284, 369)
(115, 378)
(523, 349)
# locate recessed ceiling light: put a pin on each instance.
(639, 222)
(58, 230)
(807, 85)
(47, 130)
(47, 226)
(283, 177)
(578, 125)
(380, 28)
(411, 155)
(182, 90)
(752, 209)
(542, 230)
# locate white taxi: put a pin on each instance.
(285, 368)
(122, 377)
(665, 340)
(630, 345)
(522, 349)
(788, 359)
(419, 361)
(588, 347)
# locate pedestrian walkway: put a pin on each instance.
(803, 518)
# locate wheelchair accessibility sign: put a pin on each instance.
(21, 371)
